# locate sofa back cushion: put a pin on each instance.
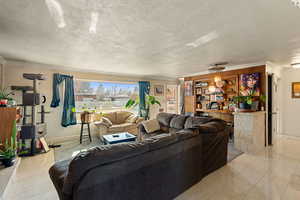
(177, 121)
(151, 125)
(213, 126)
(164, 119)
(121, 116)
(111, 116)
(160, 141)
(194, 122)
(97, 156)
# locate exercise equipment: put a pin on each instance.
(31, 129)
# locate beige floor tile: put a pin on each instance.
(273, 174)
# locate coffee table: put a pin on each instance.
(118, 138)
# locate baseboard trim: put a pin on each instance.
(57, 140)
(288, 137)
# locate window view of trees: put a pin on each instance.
(103, 96)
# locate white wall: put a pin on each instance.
(13, 76)
(290, 107)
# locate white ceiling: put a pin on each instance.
(150, 37)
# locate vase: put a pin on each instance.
(245, 106)
(254, 105)
(3, 102)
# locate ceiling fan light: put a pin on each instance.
(296, 65)
(296, 3)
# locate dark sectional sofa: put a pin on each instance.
(160, 166)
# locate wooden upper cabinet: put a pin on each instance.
(7, 117)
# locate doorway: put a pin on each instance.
(273, 110)
(270, 110)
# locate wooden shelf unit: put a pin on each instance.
(229, 91)
(222, 97)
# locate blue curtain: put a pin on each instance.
(144, 89)
(69, 115)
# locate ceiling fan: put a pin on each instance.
(218, 66)
(296, 3)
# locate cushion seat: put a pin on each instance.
(120, 121)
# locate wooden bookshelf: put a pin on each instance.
(198, 103)
(218, 100)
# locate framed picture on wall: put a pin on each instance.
(296, 90)
(171, 93)
(250, 84)
(158, 90)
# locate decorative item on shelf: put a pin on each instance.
(5, 98)
(201, 84)
(199, 106)
(212, 89)
(198, 91)
(219, 98)
(213, 97)
(214, 106)
(206, 98)
(219, 91)
(158, 90)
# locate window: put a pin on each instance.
(104, 96)
(171, 97)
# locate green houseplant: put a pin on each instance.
(149, 101)
(8, 150)
(5, 97)
(249, 102)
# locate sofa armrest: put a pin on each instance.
(100, 123)
(141, 130)
(212, 127)
(139, 120)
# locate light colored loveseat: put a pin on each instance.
(121, 121)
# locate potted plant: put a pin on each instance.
(5, 97)
(8, 154)
(149, 101)
(8, 150)
(248, 103)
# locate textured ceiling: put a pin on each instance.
(149, 37)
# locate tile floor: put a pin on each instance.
(270, 175)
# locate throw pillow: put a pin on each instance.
(131, 119)
(107, 121)
(151, 125)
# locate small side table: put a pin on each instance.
(81, 131)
